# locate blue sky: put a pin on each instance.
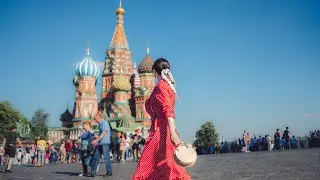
(248, 64)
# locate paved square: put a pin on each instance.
(286, 165)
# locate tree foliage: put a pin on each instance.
(38, 123)
(206, 135)
(9, 117)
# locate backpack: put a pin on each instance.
(142, 141)
(86, 144)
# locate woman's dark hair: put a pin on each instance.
(160, 64)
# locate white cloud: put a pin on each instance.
(100, 64)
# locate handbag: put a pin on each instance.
(185, 155)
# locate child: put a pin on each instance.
(85, 147)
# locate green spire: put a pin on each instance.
(67, 105)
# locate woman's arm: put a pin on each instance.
(173, 132)
(172, 127)
(166, 102)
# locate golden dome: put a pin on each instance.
(121, 83)
(120, 11)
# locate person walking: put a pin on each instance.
(103, 141)
(62, 153)
(277, 139)
(41, 151)
(117, 146)
(286, 135)
(128, 147)
(28, 155)
(157, 161)
(9, 147)
(86, 147)
(122, 148)
(269, 143)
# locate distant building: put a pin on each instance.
(56, 134)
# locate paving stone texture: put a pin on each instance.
(285, 165)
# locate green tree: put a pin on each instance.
(9, 117)
(206, 135)
(39, 124)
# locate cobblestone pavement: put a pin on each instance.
(286, 165)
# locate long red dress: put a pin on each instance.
(157, 161)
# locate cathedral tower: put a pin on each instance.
(118, 67)
(145, 83)
(125, 87)
(147, 78)
(85, 80)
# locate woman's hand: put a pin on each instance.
(175, 138)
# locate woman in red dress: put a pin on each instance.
(157, 162)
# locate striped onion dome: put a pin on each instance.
(87, 67)
(136, 80)
(146, 64)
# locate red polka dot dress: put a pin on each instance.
(156, 162)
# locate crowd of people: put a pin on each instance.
(123, 148)
(263, 143)
(314, 138)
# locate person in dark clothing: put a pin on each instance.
(9, 142)
(117, 146)
(277, 140)
(135, 147)
(286, 135)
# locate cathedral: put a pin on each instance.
(125, 88)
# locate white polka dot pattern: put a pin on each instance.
(157, 161)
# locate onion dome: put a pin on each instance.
(146, 64)
(66, 119)
(122, 83)
(136, 80)
(87, 67)
(75, 80)
(120, 10)
(66, 116)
